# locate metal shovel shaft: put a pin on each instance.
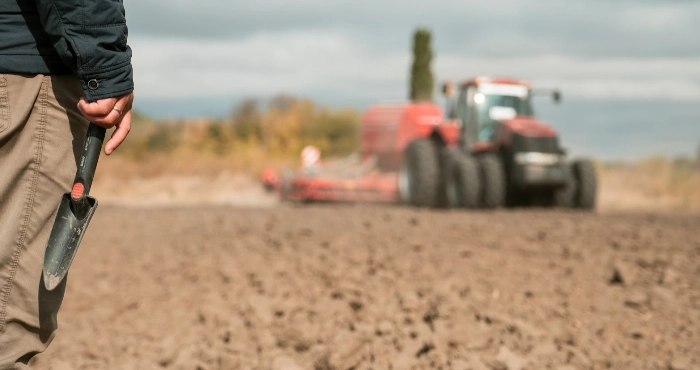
(74, 213)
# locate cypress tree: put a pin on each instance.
(422, 80)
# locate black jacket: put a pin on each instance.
(84, 37)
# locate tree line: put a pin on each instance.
(280, 128)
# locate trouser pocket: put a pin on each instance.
(4, 105)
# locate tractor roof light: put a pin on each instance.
(519, 91)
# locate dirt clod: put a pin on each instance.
(679, 363)
(622, 273)
(511, 360)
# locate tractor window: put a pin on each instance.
(463, 106)
(485, 124)
(466, 106)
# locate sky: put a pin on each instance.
(627, 69)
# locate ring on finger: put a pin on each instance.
(118, 110)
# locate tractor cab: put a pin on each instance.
(482, 104)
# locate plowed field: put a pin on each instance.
(381, 287)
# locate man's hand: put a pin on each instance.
(108, 113)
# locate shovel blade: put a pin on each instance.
(68, 230)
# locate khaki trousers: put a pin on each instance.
(41, 135)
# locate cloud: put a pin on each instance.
(264, 64)
(671, 79)
(626, 28)
(315, 65)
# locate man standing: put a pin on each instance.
(63, 63)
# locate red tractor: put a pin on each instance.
(490, 152)
(501, 156)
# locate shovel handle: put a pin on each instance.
(88, 161)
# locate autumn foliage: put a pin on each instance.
(252, 133)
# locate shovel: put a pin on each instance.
(74, 213)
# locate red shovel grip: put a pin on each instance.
(77, 191)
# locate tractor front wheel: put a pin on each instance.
(493, 181)
(587, 184)
(565, 197)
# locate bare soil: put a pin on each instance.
(381, 287)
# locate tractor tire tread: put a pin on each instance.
(422, 157)
(464, 175)
(587, 182)
(493, 181)
(565, 196)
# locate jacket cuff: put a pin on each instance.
(107, 83)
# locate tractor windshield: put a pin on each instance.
(493, 106)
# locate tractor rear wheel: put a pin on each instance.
(419, 177)
(463, 185)
(587, 184)
(493, 181)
